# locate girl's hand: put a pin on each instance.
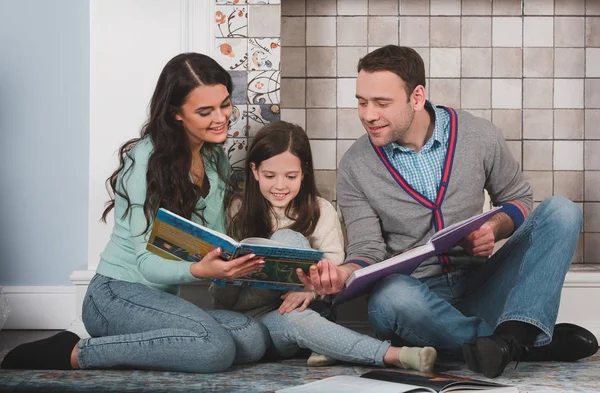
(293, 299)
(212, 266)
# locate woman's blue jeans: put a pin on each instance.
(135, 326)
(520, 282)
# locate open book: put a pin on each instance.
(363, 279)
(384, 381)
(174, 237)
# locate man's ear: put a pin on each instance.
(254, 171)
(418, 97)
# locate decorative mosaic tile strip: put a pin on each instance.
(231, 21)
(232, 53)
(259, 115)
(264, 54)
(264, 87)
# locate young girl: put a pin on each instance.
(131, 309)
(281, 201)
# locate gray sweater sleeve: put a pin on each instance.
(365, 241)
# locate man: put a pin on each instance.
(421, 168)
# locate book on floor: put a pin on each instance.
(401, 381)
(177, 238)
(362, 280)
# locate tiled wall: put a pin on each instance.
(531, 67)
(248, 46)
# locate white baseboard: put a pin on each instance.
(40, 307)
(57, 307)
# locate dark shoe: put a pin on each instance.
(490, 355)
(569, 343)
(52, 353)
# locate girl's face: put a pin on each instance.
(205, 115)
(279, 178)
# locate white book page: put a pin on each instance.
(262, 242)
(347, 383)
(406, 255)
(461, 223)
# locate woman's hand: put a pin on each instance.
(212, 266)
(293, 299)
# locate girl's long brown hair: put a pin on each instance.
(254, 216)
(167, 178)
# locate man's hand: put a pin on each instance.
(293, 299)
(326, 278)
(480, 243)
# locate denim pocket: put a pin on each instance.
(95, 324)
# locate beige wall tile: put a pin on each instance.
(569, 184)
(506, 7)
(592, 124)
(476, 7)
(592, 7)
(537, 155)
(326, 183)
(424, 53)
(444, 63)
(320, 93)
(568, 93)
(383, 7)
(568, 155)
(516, 149)
(592, 251)
(578, 256)
(569, 7)
(592, 186)
(445, 92)
(352, 31)
(592, 62)
(323, 153)
(295, 116)
(569, 31)
(445, 7)
(592, 158)
(476, 62)
(445, 31)
(476, 31)
(538, 31)
(349, 125)
(591, 220)
(592, 93)
(592, 31)
(475, 93)
(383, 30)
(483, 113)
(348, 57)
(352, 7)
(507, 32)
(320, 31)
(537, 93)
(342, 147)
(509, 121)
(293, 31)
(538, 7)
(321, 123)
(264, 20)
(321, 61)
(537, 124)
(507, 63)
(414, 7)
(568, 63)
(293, 93)
(320, 7)
(568, 123)
(506, 94)
(293, 7)
(293, 61)
(538, 62)
(541, 183)
(414, 31)
(346, 93)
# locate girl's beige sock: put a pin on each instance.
(417, 358)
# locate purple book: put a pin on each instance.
(362, 280)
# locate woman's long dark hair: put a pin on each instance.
(167, 178)
(254, 216)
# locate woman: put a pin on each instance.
(131, 308)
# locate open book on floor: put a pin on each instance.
(362, 280)
(174, 237)
(401, 381)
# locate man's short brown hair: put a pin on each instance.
(401, 60)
